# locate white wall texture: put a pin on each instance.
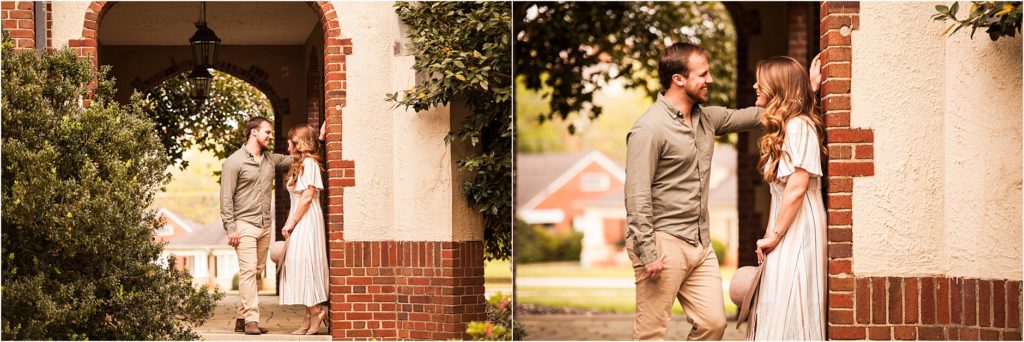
(946, 114)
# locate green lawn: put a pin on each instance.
(611, 299)
(570, 269)
(498, 276)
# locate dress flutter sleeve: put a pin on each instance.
(803, 149)
(310, 176)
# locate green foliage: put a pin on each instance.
(1001, 18)
(194, 192)
(719, 248)
(216, 125)
(465, 47)
(79, 260)
(570, 50)
(535, 244)
(499, 325)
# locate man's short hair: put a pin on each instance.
(673, 61)
(254, 123)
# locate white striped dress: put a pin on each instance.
(791, 298)
(304, 275)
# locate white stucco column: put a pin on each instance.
(946, 115)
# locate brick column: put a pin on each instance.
(751, 220)
(797, 42)
(19, 21)
(884, 308)
(407, 289)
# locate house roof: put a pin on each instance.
(175, 220)
(534, 172)
(203, 235)
(533, 195)
(194, 234)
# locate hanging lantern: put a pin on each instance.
(205, 43)
(205, 47)
(201, 81)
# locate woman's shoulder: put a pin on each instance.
(310, 162)
(798, 122)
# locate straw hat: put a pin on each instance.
(742, 287)
(277, 251)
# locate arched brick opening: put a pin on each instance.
(340, 173)
(249, 75)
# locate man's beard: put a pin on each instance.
(696, 98)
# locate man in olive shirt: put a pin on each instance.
(668, 168)
(246, 184)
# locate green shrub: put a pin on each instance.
(499, 325)
(536, 244)
(79, 261)
(719, 251)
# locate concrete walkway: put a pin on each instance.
(607, 327)
(280, 320)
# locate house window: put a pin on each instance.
(166, 230)
(594, 182)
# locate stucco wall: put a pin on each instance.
(68, 18)
(946, 113)
(403, 166)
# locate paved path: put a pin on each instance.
(608, 327)
(280, 320)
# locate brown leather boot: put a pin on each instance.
(240, 326)
(253, 328)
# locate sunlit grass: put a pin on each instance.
(607, 299)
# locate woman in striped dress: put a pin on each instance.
(790, 302)
(304, 275)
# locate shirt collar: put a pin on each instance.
(247, 153)
(671, 110)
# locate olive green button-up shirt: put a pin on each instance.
(246, 187)
(668, 168)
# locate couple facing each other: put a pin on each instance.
(247, 182)
(668, 165)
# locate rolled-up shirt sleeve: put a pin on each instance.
(281, 161)
(228, 183)
(642, 155)
(727, 120)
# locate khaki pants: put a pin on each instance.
(254, 242)
(691, 275)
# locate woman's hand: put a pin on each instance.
(287, 229)
(766, 245)
(815, 73)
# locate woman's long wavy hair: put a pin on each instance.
(787, 87)
(305, 140)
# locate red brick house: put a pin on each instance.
(553, 187)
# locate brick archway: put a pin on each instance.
(250, 75)
(340, 173)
